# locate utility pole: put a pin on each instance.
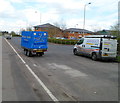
(84, 17)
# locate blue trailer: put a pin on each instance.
(34, 42)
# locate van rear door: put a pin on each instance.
(109, 48)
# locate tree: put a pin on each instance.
(62, 26)
(12, 33)
(95, 28)
(115, 29)
(29, 28)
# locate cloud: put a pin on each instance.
(6, 9)
(21, 13)
(12, 26)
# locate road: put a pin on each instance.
(68, 77)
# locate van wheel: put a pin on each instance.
(94, 57)
(75, 52)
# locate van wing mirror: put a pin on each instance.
(78, 43)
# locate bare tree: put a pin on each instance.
(95, 28)
(29, 29)
(115, 29)
(61, 24)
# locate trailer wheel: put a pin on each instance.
(25, 51)
(29, 54)
(94, 56)
(40, 54)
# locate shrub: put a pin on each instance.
(59, 41)
(118, 45)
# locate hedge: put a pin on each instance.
(16, 35)
(118, 45)
(59, 41)
(72, 42)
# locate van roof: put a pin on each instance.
(101, 36)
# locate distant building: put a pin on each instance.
(52, 30)
(43, 27)
(76, 33)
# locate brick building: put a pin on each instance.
(52, 30)
(76, 33)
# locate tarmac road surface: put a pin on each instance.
(67, 77)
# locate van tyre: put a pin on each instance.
(75, 52)
(94, 56)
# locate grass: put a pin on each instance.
(118, 58)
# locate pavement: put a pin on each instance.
(66, 76)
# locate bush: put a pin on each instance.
(16, 35)
(118, 58)
(118, 45)
(59, 41)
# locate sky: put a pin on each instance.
(20, 14)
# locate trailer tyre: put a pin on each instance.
(40, 54)
(94, 56)
(29, 54)
(25, 52)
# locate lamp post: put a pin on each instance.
(84, 16)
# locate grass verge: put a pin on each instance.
(118, 58)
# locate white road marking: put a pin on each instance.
(38, 79)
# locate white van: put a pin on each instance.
(97, 47)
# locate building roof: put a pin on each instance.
(47, 25)
(77, 30)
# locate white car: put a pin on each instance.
(8, 36)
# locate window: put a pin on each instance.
(36, 28)
(80, 41)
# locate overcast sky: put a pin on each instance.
(17, 14)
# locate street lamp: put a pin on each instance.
(84, 16)
(40, 16)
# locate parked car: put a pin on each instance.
(60, 38)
